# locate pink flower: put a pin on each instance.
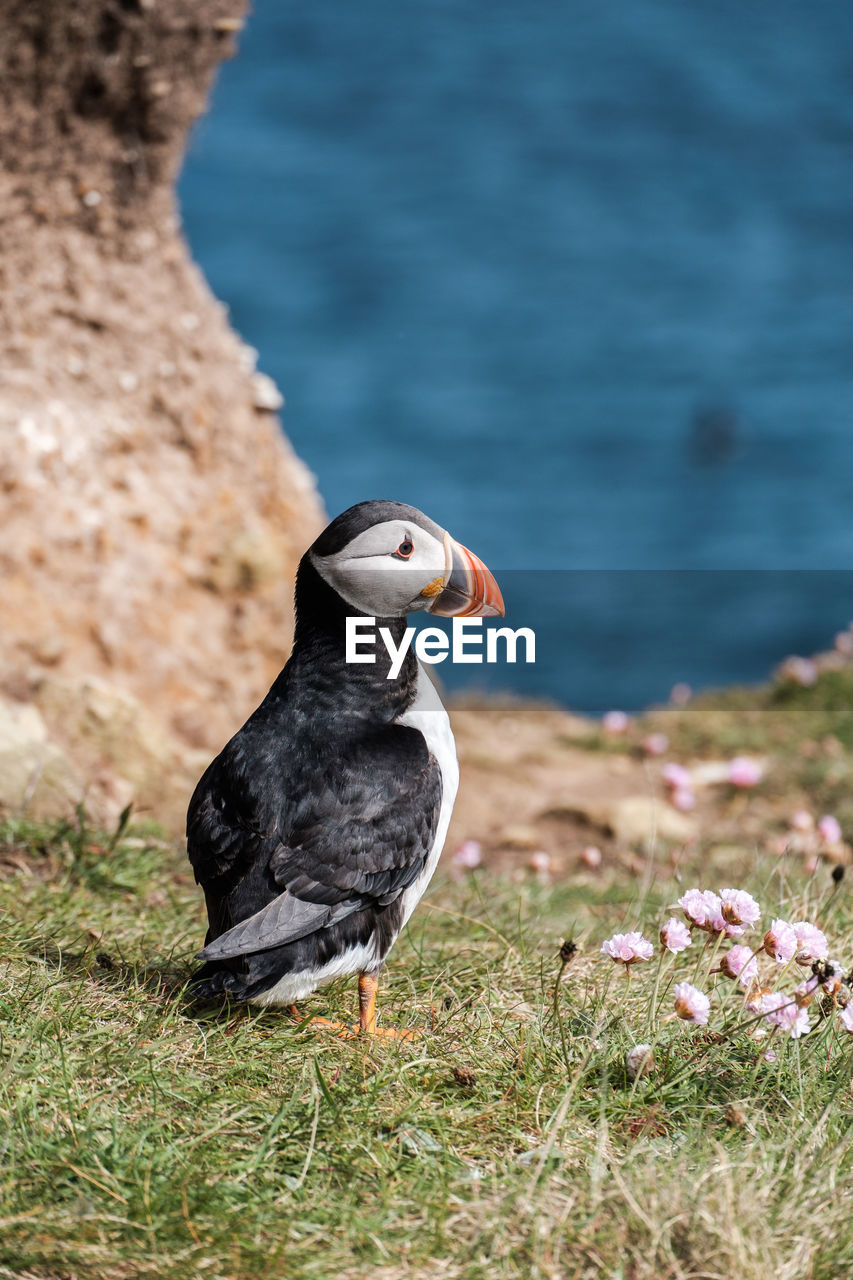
(691, 1004)
(811, 941)
(628, 948)
(844, 643)
(693, 905)
(783, 1011)
(770, 1055)
(739, 907)
(675, 775)
(468, 856)
(683, 799)
(656, 744)
(846, 1017)
(802, 671)
(615, 722)
(680, 694)
(675, 936)
(716, 921)
(591, 856)
(703, 909)
(802, 820)
(780, 941)
(540, 862)
(805, 992)
(829, 829)
(744, 772)
(740, 963)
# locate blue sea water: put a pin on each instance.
(577, 279)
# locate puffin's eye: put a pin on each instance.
(405, 549)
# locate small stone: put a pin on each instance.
(591, 856)
(519, 837)
(248, 357)
(36, 777)
(639, 1061)
(92, 199)
(75, 366)
(49, 650)
(128, 381)
(265, 394)
(735, 1117)
(636, 819)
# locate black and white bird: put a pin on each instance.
(317, 829)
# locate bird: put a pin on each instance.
(316, 830)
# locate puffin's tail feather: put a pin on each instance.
(213, 982)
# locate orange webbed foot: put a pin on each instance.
(368, 985)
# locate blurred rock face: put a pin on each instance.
(152, 513)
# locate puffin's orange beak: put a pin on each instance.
(469, 590)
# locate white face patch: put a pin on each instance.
(374, 580)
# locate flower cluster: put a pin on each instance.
(727, 913)
(723, 918)
(814, 839)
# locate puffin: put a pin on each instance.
(316, 830)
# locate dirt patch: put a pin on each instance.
(536, 779)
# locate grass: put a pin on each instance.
(807, 732)
(143, 1137)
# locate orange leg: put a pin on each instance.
(368, 985)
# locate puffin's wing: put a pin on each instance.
(230, 819)
(285, 919)
(356, 840)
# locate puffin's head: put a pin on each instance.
(387, 559)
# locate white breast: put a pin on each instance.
(427, 714)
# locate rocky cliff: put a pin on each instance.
(152, 511)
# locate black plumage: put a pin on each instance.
(308, 827)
